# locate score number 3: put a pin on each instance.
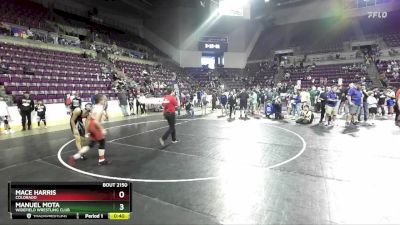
(121, 194)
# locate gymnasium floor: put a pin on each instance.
(228, 172)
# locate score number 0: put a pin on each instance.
(121, 194)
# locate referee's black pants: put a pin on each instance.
(26, 115)
(170, 117)
(231, 109)
(322, 112)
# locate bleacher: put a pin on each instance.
(331, 72)
(24, 13)
(54, 74)
(232, 78)
(262, 73)
(392, 40)
(201, 75)
(326, 35)
(161, 75)
(101, 33)
(383, 69)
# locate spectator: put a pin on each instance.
(189, 109)
(381, 102)
(253, 102)
(306, 116)
(372, 106)
(67, 103)
(214, 101)
(25, 108)
(295, 104)
(364, 107)
(131, 101)
(198, 94)
(204, 102)
(106, 118)
(322, 102)
(5, 116)
(287, 75)
(28, 70)
(305, 97)
(243, 97)
(330, 107)
(277, 105)
(3, 66)
(261, 100)
(40, 108)
(343, 107)
(354, 96)
(313, 94)
(93, 98)
(397, 108)
(140, 105)
(123, 103)
(391, 101)
(232, 104)
(76, 101)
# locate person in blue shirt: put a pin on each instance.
(198, 98)
(93, 98)
(330, 106)
(390, 104)
(354, 97)
(223, 99)
(295, 102)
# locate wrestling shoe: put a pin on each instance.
(104, 162)
(83, 157)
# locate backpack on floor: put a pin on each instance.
(224, 99)
(269, 109)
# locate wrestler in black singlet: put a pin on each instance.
(79, 124)
(79, 119)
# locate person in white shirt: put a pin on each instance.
(5, 116)
(372, 106)
(204, 102)
(305, 97)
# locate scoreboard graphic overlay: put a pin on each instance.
(70, 200)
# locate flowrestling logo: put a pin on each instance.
(377, 15)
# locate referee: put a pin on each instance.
(170, 104)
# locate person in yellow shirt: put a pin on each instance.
(305, 97)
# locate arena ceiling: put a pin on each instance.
(140, 7)
(145, 8)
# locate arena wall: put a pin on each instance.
(56, 114)
(190, 58)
